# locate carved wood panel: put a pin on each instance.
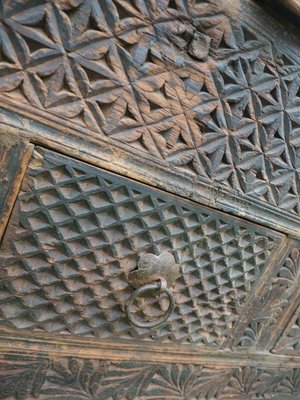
(277, 305)
(203, 88)
(25, 377)
(14, 157)
(289, 343)
(196, 97)
(77, 231)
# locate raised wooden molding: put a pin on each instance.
(122, 350)
(277, 305)
(14, 157)
(261, 292)
(34, 376)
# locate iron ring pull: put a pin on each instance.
(161, 288)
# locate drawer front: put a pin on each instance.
(77, 231)
(193, 107)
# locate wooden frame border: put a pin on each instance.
(14, 158)
(50, 345)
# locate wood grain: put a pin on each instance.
(14, 342)
(198, 98)
(76, 233)
(14, 157)
(27, 377)
(138, 86)
(277, 305)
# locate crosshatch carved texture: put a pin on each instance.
(75, 234)
(183, 81)
(23, 377)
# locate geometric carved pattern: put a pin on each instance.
(23, 377)
(181, 80)
(77, 231)
(280, 293)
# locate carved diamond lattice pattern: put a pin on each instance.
(75, 234)
(181, 80)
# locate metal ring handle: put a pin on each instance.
(160, 286)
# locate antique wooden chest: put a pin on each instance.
(149, 199)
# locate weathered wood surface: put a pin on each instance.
(203, 94)
(77, 231)
(53, 345)
(278, 304)
(14, 157)
(25, 377)
(196, 97)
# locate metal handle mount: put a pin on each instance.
(159, 287)
(152, 278)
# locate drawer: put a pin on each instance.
(77, 231)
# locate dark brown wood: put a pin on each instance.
(174, 100)
(265, 295)
(78, 231)
(70, 378)
(14, 157)
(127, 80)
(13, 342)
